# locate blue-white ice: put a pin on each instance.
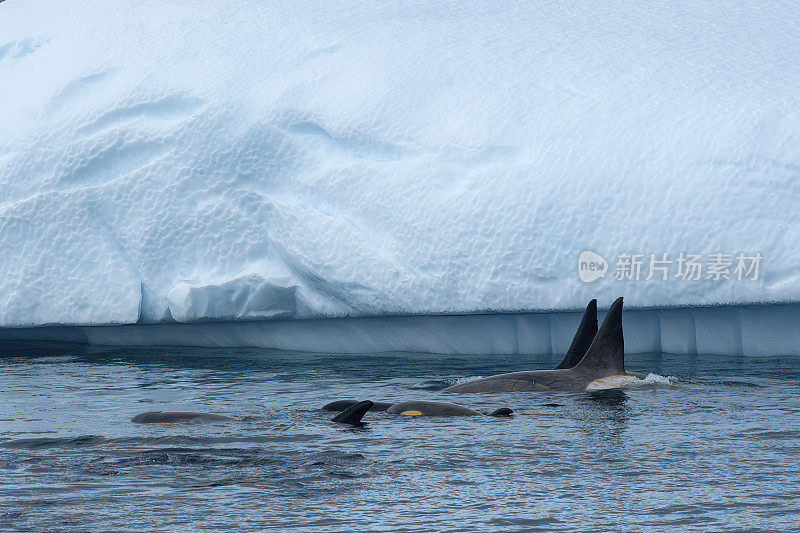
(245, 160)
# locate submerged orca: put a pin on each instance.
(605, 358)
(351, 415)
(421, 408)
(160, 417)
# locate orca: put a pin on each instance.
(440, 409)
(587, 330)
(577, 349)
(602, 366)
(351, 415)
(583, 337)
(160, 417)
(341, 405)
(419, 408)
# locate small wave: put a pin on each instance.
(651, 379)
(66, 442)
(432, 385)
(656, 379)
(54, 359)
(629, 382)
(459, 381)
(726, 383)
(335, 457)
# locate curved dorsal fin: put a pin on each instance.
(606, 354)
(343, 405)
(583, 337)
(354, 413)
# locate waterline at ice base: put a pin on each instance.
(760, 331)
(355, 178)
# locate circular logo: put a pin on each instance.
(591, 266)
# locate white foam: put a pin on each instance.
(613, 382)
(467, 379)
(629, 382)
(295, 160)
(656, 379)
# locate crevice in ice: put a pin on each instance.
(515, 346)
(551, 343)
(738, 325)
(657, 334)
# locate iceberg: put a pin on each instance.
(297, 162)
(751, 331)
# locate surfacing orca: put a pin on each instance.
(604, 359)
(341, 405)
(580, 344)
(440, 409)
(587, 330)
(353, 414)
(421, 408)
(583, 337)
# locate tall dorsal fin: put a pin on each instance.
(606, 355)
(583, 337)
(354, 413)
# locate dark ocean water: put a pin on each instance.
(716, 450)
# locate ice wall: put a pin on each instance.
(244, 160)
(748, 331)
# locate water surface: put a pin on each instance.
(716, 450)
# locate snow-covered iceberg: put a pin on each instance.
(181, 161)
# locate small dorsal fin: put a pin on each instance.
(354, 413)
(583, 337)
(606, 355)
(341, 405)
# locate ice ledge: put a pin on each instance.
(751, 331)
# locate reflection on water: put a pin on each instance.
(716, 450)
(607, 398)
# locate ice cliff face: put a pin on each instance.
(259, 160)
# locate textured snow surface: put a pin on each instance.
(244, 160)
